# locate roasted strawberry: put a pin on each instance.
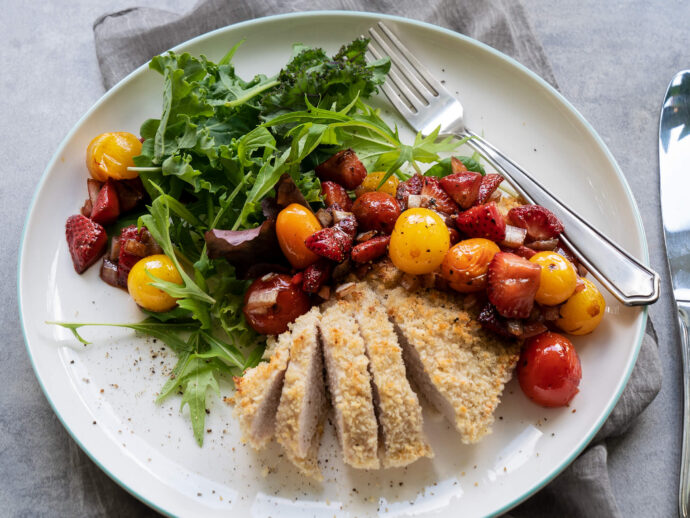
(411, 186)
(539, 222)
(438, 198)
(490, 183)
(86, 240)
(332, 243)
(512, 283)
(131, 251)
(107, 207)
(316, 275)
(335, 193)
(343, 168)
(482, 221)
(463, 187)
(371, 249)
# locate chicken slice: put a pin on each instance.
(349, 384)
(398, 410)
(299, 420)
(460, 368)
(258, 393)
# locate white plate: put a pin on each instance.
(104, 394)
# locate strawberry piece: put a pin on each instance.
(411, 186)
(334, 193)
(371, 249)
(492, 321)
(126, 259)
(540, 222)
(438, 198)
(490, 183)
(343, 168)
(512, 283)
(86, 240)
(107, 206)
(463, 187)
(482, 221)
(333, 243)
(316, 275)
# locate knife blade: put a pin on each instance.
(674, 183)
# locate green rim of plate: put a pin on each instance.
(355, 14)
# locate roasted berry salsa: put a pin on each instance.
(248, 202)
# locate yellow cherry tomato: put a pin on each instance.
(583, 311)
(139, 283)
(419, 241)
(294, 225)
(110, 154)
(466, 264)
(372, 181)
(558, 278)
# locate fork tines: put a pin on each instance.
(414, 83)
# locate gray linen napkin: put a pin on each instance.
(126, 39)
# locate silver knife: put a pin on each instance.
(674, 168)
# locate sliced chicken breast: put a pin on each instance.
(349, 384)
(398, 410)
(258, 393)
(299, 420)
(460, 368)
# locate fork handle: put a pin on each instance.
(625, 277)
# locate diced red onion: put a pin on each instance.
(339, 215)
(414, 201)
(514, 327)
(94, 187)
(324, 217)
(114, 248)
(365, 236)
(533, 329)
(87, 208)
(109, 272)
(134, 247)
(342, 290)
(324, 292)
(260, 301)
(546, 244)
(515, 236)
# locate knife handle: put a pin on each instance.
(684, 488)
(625, 277)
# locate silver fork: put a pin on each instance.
(426, 105)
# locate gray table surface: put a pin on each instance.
(612, 60)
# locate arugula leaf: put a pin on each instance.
(444, 168)
(195, 385)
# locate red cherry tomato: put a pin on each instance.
(376, 211)
(549, 370)
(272, 302)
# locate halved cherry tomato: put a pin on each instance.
(549, 370)
(110, 154)
(294, 224)
(272, 302)
(466, 264)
